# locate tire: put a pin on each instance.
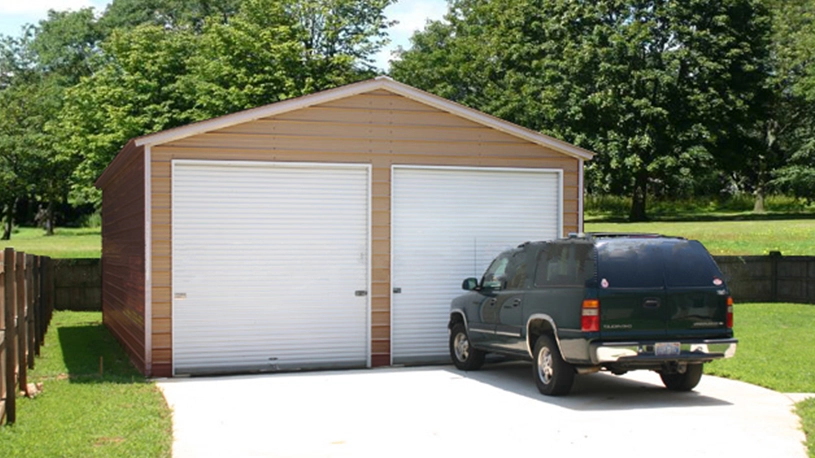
(464, 355)
(553, 375)
(683, 382)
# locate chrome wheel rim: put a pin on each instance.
(545, 365)
(461, 346)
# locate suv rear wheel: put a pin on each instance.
(685, 381)
(553, 375)
(464, 355)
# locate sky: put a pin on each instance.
(411, 14)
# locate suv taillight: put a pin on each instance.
(730, 312)
(590, 317)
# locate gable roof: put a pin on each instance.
(381, 82)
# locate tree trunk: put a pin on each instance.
(638, 199)
(49, 219)
(759, 205)
(8, 221)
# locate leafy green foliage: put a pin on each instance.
(789, 130)
(94, 402)
(66, 44)
(30, 101)
(170, 14)
(155, 77)
(136, 92)
(78, 86)
(659, 89)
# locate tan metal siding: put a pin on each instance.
(379, 128)
(123, 253)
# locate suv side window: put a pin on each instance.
(496, 274)
(518, 270)
(565, 265)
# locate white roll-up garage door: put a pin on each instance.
(448, 224)
(270, 266)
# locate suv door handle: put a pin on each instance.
(515, 303)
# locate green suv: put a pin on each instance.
(615, 302)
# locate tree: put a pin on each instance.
(21, 124)
(154, 77)
(658, 88)
(136, 91)
(170, 14)
(791, 128)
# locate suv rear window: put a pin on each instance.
(655, 264)
(630, 264)
(689, 265)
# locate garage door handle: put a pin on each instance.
(360, 293)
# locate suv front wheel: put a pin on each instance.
(464, 356)
(553, 375)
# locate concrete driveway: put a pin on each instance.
(495, 412)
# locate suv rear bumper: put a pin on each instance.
(643, 352)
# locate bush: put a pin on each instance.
(92, 220)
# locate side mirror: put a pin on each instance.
(469, 284)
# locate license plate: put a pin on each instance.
(666, 349)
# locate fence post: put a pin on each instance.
(22, 341)
(3, 339)
(38, 304)
(775, 256)
(31, 310)
(46, 295)
(11, 338)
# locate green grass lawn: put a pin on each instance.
(806, 410)
(775, 351)
(728, 237)
(758, 237)
(81, 413)
(65, 243)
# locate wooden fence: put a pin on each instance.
(26, 306)
(773, 278)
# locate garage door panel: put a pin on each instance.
(449, 224)
(266, 262)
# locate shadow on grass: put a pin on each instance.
(696, 217)
(92, 355)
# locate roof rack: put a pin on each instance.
(642, 235)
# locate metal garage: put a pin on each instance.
(329, 230)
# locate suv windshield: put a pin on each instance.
(636, 263)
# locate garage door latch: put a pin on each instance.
(360, 293)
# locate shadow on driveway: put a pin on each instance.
(592, 392)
